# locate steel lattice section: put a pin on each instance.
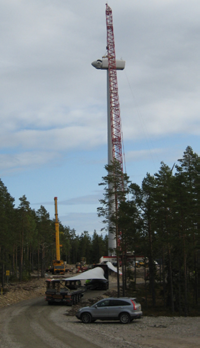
(113, 87)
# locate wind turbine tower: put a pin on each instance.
(110, 64)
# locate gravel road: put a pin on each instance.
(34, 324)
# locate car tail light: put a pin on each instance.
(134, 306)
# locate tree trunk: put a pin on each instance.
(151, 265)
(13, 261)
(171, 282)
(2, 279)
(185, 285)
(21, 263)
(43, 262)
(38, 261)
(2, 267)
(179, 290)
(163, 275)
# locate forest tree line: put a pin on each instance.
(159, 219)
(27, 240)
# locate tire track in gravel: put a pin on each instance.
(169, 342)
(28, 324)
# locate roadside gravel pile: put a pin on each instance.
(16, 292)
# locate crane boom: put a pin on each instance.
(110, 64)
(58, 264)
(115, 119)
(57, 235)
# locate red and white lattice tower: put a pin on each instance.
(115, 120)
(110, 64)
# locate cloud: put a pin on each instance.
(52, 97)
(156, 155)
(18, 162)
(83, 222)
(89, 199)
(56, 139)
(80, 200)
(53, 102)
(142, 155)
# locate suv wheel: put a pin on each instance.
(86, 318)
(124, 318)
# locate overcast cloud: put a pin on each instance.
(53, 134)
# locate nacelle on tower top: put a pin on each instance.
(103, 64)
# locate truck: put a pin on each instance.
(64, 291)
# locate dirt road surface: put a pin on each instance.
(27, 321)
(35, 324)
(30, 324)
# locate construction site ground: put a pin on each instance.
(27, 320)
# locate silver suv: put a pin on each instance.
(124, 309)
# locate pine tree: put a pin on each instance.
(6, 227)
(115, 190)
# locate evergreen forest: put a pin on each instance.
(159, 219)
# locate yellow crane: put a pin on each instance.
(58, 264)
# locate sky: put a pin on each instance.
(53, 112)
